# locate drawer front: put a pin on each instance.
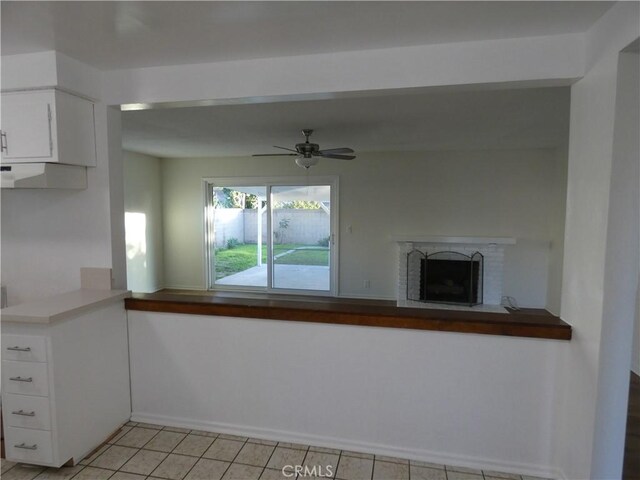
(25, 378)
(27, 411)
(30, 446)
(24, 348)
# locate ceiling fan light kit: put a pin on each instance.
(307, 153)
(305, 162)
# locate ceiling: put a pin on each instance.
(430, 120)
(115, 35)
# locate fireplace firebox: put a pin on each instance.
(445, 277)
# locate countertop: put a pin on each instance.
(60, 307)
(535, 323)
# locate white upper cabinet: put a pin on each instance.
(47, 126)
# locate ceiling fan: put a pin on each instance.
(308, 153)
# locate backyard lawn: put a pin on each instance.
(243, 256)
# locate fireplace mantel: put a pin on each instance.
(457, 240)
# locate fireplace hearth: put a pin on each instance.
(446, 277)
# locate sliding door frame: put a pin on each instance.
(269, 182)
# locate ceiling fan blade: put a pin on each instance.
(285, 148)
(274, 155)
(339, 157)
(336, 150)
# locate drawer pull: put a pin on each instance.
(20, 379)
(26, 447)
(24, 414)
(19, 349)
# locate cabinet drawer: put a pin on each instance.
(26, 411)
(25, 378)
(24, 348)
(30, 446)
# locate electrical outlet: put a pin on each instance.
(367, 284)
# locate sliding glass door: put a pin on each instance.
(301, 237)
(273, 235)
(237, 242)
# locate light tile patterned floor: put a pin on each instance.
(143, 451)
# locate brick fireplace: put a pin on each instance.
(490, 248)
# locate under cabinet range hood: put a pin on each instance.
(43, 175)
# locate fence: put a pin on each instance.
(305, 227)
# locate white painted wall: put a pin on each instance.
(547, 60)
(476, 400)
(50, 69)
(48, 235)
(143, 195)
(499, 193)
(113, 145)
(558, 191)
(622, 270)
(593, 102)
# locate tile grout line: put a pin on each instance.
(139, 449)
(236, 456)
(306, 453)
(198, 458)
(373, 467)
(335, 474)
(150, 450)
(268, 460)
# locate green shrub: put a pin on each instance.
(232, 243)
(324, 242)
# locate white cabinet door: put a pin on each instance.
(26, 127)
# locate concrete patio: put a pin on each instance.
(299, 277)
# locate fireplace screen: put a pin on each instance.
(445, 277)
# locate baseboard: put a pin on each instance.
(342, 444)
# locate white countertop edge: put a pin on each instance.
(458, 240)
(62, 306)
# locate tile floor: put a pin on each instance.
(142, 451)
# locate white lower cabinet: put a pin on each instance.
(25, 399)
(65, 385)
(30, 446)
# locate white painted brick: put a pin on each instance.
(492, 274)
